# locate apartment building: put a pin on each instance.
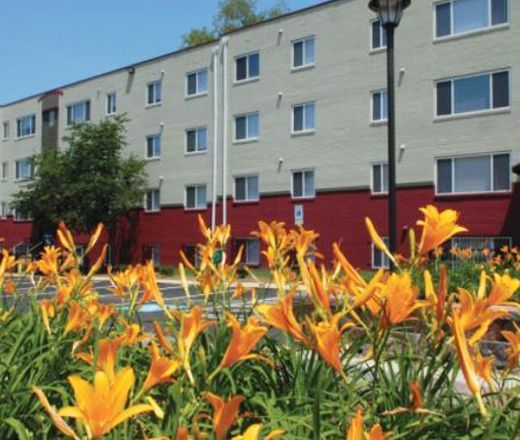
(287, 120)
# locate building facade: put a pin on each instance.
(286, 120)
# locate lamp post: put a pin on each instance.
(390, 13)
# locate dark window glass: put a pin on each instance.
(376, 35)
(443, 19)
(192, 84)
(240, 188)
(298, 118)
(240, 128)
(298, 54)
(376, 107)
(150, 93)
(298, 184)
(444, 98)
(501, 172)
(87, 111)
(444, 176)
(241, 68)
(500, 89)
(191, 137)
(499, 12)
(254, 65)
(377, 179)
(190, 197)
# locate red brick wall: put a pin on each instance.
(337, 216)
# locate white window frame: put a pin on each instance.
(198, 92)
(372, 189)
(153, 136)
(382, 47)
(153, 207)
(382, 120)
(111, 103)
(452, 35)
(243, 241)
(247, 198)
(248, 77)
(247, 138)
(6, 128)
(21, 179)
(154, 103)
(304, 130)
(304, 171)
(88, 115)
(304, 65)
(474, 112)
(197, 149)
(17, 217)
(31, 117)
(452, 158)
(384, 258)
(4, 210)
(197, 206)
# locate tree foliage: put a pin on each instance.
(87, 183)
(232, 15)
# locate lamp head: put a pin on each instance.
(390, 12)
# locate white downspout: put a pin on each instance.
(224, 44)
(215, 51)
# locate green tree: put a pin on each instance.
(87, 183)
(233, 14)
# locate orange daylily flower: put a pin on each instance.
(356, 430)
(281, 316)
(514, 345)
(503, 288)
(66, 238)
(328, 340)
(243, 340)
(225, 413)
(317, 283)
(436, 300)
(124, 281)
(161, 369)
(78, 318)
(94, 237)
(49, 264)
(416, 404)
(466, 362)
(131, 335)
(484, 368)
(8, 262)
(378, 241)
(161, 337)
(302, 240)
(438, 227)
(48, 312)
(99, 407)
(400, 299)
(253, 431)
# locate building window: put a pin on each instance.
(191, 252)
(379, 259)
(304, 118)
(474, 174)
(152, 252)
(25, 126)
(78, 113)
(380, 106)
(197, 83)
(111, 103)
(250, 251)
(303, 184)
(4, 210)
(153, 146)
(5, 132)
(5, 170)
(196, 140)
(153, 200)
(303, 52)
(196, 197)
(473, 93)
(380, 178)
(154, 93)
(24, 169)
(247, 127)
(462, 16)
(21, 216)
(247, 67)
(247, 189)
(378, 35)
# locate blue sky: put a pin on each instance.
(48, 43)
